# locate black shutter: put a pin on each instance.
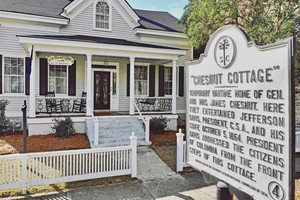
(161, 91)
(0, 74)
(181, 81)
(27, 76)
(152, 81)
(72, 80)
(43, 76)
(128, 80)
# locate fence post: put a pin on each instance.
(96, 132)
(179, 157)
(133, 139)
(147, 127)
(24, 173)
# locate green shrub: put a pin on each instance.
(6, 125)
(63, 128)
(158, 124)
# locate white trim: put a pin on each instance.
(77, 10)
(160, 33)
(68, 9)
(111, 73)
(177, 79)
(24, 75)
(104, 49)
(129, 10)
(192, 53)
(148, 76)
(127, 13)
(33, 18)
(110, 16)
(67, 67)
(165, 40)
(26, 25)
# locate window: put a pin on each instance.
(141, 80)
(14, 75)
(102, 16)
(168, 80)
(58, 79)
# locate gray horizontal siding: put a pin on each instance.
(82, 24)
(9, 43)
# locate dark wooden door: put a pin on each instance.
(101, 90)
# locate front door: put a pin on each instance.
(101, 90)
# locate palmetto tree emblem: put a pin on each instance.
(224, 51)
(223, 46)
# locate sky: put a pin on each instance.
(175, 7)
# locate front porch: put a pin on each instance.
(131, 77)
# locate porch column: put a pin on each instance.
(174, 84)
(131, 99)
(89, 96)
(32, 87)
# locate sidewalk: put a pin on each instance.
(158, 181)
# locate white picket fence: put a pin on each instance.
(181, 156)
(25, 170)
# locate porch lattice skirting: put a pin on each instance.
(25, 170)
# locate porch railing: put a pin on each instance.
(154, 104)
(59, 105)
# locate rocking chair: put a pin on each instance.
(80, 105)
(52, 106)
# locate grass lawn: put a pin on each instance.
(12, 143)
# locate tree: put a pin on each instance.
(264, 20)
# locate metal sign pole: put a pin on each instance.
(25, 135)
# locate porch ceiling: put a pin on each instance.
(79, 44)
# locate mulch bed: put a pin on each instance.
(42, 143)
(165, 147)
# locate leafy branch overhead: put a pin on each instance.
(264, 20)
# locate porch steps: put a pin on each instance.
(115, 131)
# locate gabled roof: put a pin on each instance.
(153, 20)
(158, 20)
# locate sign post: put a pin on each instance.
(240, 114)
(25, 132)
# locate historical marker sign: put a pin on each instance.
(240, 123)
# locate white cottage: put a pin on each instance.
(93, 60)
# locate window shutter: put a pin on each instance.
(161, 91)
(181, 81)
(43, 76)
(128, 80)
(152, 81)
(0, 74)
(72, 80)
(27, 77)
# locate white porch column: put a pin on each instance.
(32, 87)
(174, 84)
(131, 99)
(89, 96)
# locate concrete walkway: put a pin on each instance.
(158, 181)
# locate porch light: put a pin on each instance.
(105, 62)
(60, 60)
